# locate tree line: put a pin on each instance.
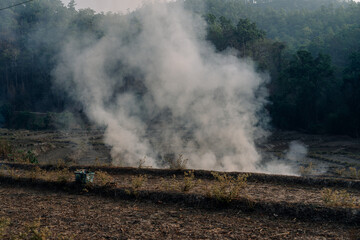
(311, 50)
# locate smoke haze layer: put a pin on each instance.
(160, 89)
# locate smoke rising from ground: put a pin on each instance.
(297, 151)
(161, 90)
(289, 165)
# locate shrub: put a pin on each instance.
(22, 156)
(136, 183)
(62, 175)
(227, 188)
(104, 178)
(30, 157)
(188, 182)
(335, 198)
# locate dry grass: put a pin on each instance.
(33, 231)
(308, 170)
(104, 179)
(227, 188)
(5, 149)
(351, 172)
(338, 198)
(187, 183)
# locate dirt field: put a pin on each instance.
(92, 217)
(267, 207)
(328, 154)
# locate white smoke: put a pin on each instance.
(193, 101)
(290, 163)
(297, 151)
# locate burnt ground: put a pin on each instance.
(328, 154)
(92, 217)
(281, 207)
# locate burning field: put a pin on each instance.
(178, 137)
(174, 202)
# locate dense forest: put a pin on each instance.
(310, 49)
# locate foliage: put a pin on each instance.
(310, 49)
(227, 188)
(338, 198)
(188, 182)
(62, 175)
(104, 178)
(23, 157)
(136, 183)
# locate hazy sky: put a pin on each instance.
(109, 5)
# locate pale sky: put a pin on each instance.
(109, 5)
(113, 5)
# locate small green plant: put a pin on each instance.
(335, 198)
(306, 171)
(30, 157)
(22, 156)
(179, 163)
(227, 188)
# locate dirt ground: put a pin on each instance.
(328, 154)
(92, 217)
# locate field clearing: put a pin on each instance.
(147, 203)
(87, 216)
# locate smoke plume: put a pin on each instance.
(160, 89)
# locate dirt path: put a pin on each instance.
(92, 217)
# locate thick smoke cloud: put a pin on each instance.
(159, 89)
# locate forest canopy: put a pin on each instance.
(310, 49)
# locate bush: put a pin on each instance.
(227, 188)
(104, 178)
(335, 198)
(188, 182)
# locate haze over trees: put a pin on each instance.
(311, 50)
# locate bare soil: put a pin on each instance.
(92, 217)
(270, 207)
